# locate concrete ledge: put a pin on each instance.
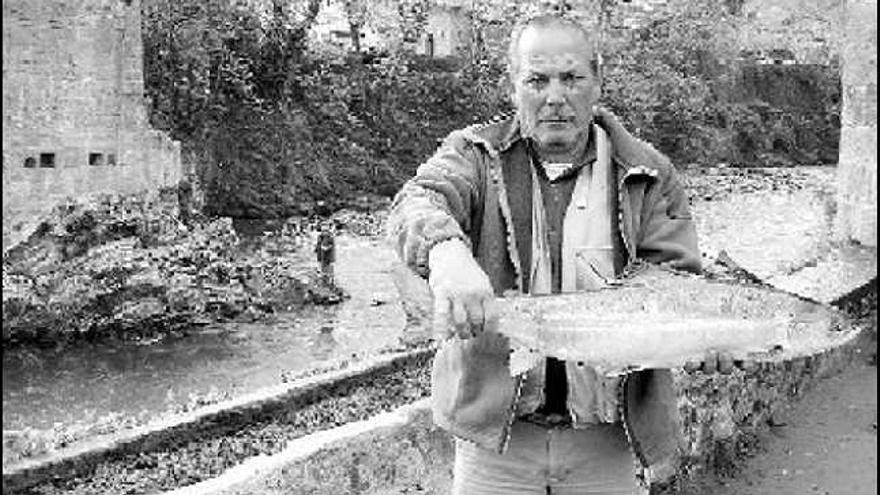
(395, 452)
(222, 417)
(403, 452)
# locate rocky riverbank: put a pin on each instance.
(127, 268)
(108, 266)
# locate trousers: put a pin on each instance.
(543, 460)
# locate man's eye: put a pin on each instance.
(536, 80)
(572, 78)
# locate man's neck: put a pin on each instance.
(572, 154)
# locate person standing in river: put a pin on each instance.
(506, 206)
(325, 251)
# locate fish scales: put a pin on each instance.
(659, 318)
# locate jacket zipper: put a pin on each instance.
(622, 202)
(497, 177)
(639, 466)
(505, 441)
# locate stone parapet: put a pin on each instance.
(857, 169)
(402, 451)
(397, 452)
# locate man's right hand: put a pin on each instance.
(463, 295)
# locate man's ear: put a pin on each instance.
(507, 84)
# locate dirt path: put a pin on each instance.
(827, 444)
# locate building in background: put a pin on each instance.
(448, 30)
(377, 27)
(74, 113)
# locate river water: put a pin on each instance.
(81, 385)
(766, 228)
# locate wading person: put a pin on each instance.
(184, 200)
(557, 198)
(325, 251)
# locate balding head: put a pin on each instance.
(547, 22)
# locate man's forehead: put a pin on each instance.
(557, 45)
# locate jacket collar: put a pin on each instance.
(627, 152)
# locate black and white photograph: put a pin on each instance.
(439, 247)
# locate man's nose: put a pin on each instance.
(555, 92)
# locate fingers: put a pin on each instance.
(463, 318)
(710, 362)
(460, 319)
(442, 322)
(476, 315)
(725, 363)
(490, 315)
(749, 365)
(720, 362)
(604, 116)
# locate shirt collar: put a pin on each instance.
(589, 157)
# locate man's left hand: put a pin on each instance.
(714, 361)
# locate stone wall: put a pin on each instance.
(857, 167)
(809, 29)
(403, 451)
(74, 114)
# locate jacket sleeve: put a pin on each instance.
(438, 203)
(668, 233)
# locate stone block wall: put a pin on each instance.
(857, 167)
(74, 114)
(721, 413)
(409, 454)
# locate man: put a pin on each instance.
(325, 251)
(184, 200)
(487, 214)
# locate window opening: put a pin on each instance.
(47, 160)
(111, 159)
(96, 159)
(30, 162)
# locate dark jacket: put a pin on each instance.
(461, 192)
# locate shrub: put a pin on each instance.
(273, 128)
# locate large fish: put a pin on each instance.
(656, 318)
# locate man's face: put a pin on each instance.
(555, 88)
